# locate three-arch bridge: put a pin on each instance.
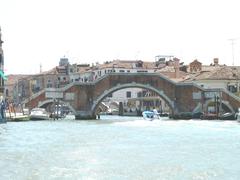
(84, 98)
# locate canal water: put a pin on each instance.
(120, 148)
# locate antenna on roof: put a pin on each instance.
(40, 67)
(232, 43)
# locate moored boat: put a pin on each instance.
(39, 114)
(227, 116)
(57, 115)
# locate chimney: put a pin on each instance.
(215, 61)
(176, 67)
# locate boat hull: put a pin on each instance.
(38, 118)
(38, 114)
(149, 115)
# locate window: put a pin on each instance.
(121, 71)
(128, 94)
(139, 94)
(110, 95)
(49, 85)
(141, 71)
(232, 88)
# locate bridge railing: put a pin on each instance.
(224, 91)
(111, 74)
(33, 96)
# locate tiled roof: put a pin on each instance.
(217, 73)
(195, 62)
(127, 64)
(166, 69)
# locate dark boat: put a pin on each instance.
(228, 116)
(208, 116)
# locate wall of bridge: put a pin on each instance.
(157, 82)
(233, 100)
(86, 94)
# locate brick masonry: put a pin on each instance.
(181, 94)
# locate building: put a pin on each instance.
(1, 66)
(10, 86)
(195, 66)
(215, 76)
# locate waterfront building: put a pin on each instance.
(215, 76)
(2, 77)
(1, 66)
(80, 73)
(10, 86)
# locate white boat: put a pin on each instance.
(151, 115)
(39, 114)
(58, 115)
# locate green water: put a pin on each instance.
(120, 148)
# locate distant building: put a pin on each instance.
(215, 76)
(195, 66)
(63, 62)
(10, 86)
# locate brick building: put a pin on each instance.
(195, 66)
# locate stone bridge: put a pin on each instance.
(84, 98)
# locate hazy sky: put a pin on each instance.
(87, 31)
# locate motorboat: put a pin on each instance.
(151, 115)
(227, 116)
(58, 115)
(38, 114)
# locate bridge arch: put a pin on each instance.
(225, 103)
(160, 92)
(198, 108)
(48, 101)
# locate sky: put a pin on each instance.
(88, 31)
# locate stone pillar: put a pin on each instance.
(85, 115)
(120, 109)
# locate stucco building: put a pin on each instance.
(215, 76)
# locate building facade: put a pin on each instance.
(215, 76)
(1, 66)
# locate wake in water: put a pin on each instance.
(143, 122)
(2, 129)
